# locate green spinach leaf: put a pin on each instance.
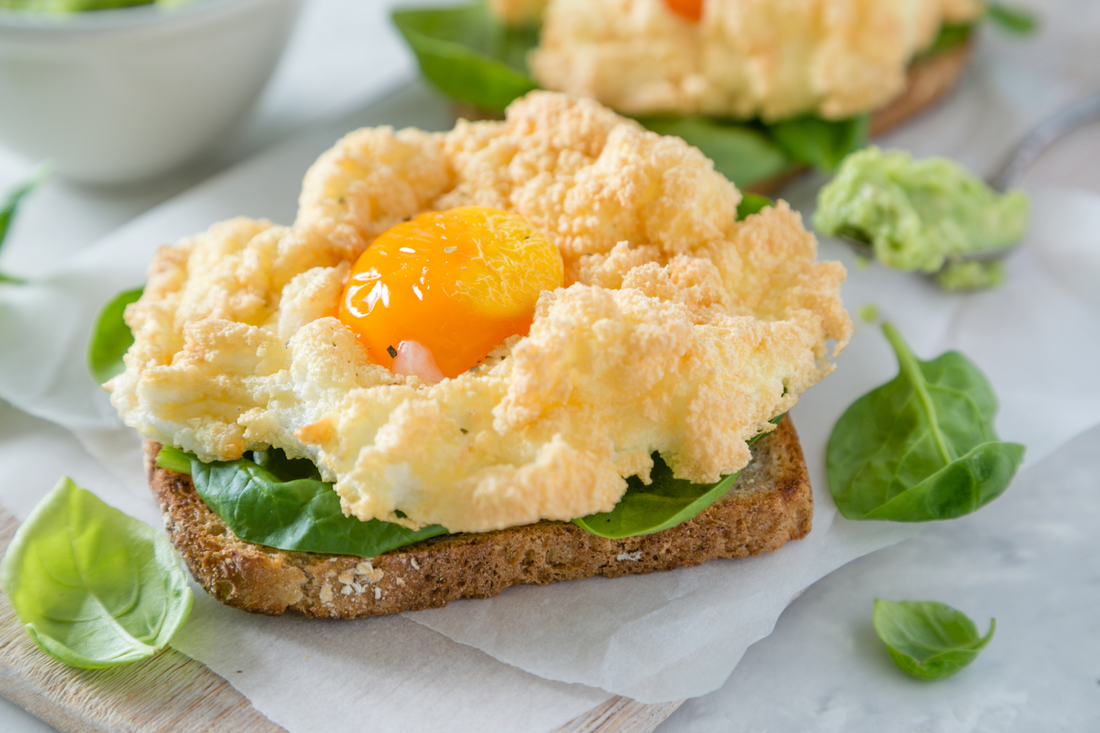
(821, 143)
(1012, 19)
(752, 203)
(664, 503)
(928, 640)
(740, 153)
(173, 459)
(468, 54)
(950, 36)
(280, 502)
(93, 587)
(921, 447)
(111, 338)
(9, 205)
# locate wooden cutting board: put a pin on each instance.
(173, 693)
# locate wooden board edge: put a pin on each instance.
(622, 715)
(172, 693)
(167, 692)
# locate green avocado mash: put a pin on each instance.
(77, 6)
(920, 214)
(959, 276)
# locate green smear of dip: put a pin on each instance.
(77, 6)
(868, 313)
(959, 276)
(921, 214)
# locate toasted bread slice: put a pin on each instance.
(770, 503)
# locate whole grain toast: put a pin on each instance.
(769, 504)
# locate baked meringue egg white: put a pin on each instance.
(490, 326)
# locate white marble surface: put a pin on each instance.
(17, 720)
(1029, 560)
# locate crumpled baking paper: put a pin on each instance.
(676, 634)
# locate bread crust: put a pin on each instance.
(770, 504)
(928, 80)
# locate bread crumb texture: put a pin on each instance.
(678, 330)
(743, 58)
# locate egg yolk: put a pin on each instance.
(690, 9)
(456, 282)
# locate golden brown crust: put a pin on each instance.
(770, 503)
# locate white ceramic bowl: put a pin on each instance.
(116, 96)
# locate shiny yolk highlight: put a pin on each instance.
(458, 282)
(690, 9)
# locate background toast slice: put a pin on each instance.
(770, 503)
(927, 80)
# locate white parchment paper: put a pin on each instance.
(309, 676)
(1026, 560)
(668, 635)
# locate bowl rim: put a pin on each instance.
(95, 21)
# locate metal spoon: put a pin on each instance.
(1012, 171)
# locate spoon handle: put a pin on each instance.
(1040, 138)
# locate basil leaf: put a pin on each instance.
(1017, 21)
(93, 587)
(469, 54)
(664, 503)
(928, 640)
(921, 447)
(752, 203)
(282, 503)
(111, 338)
(740, 153)
(820, 143)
